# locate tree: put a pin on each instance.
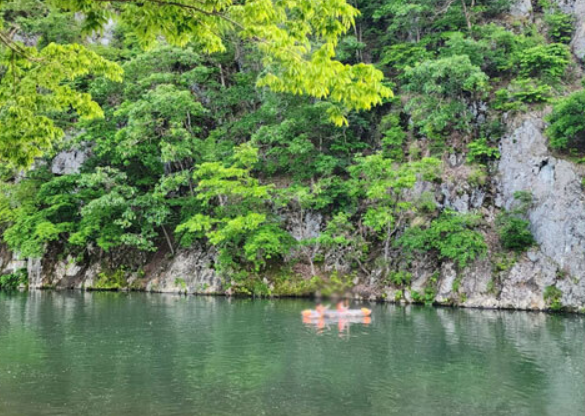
(567, 123)
(452, 236)
(382, 182)
(442, 90)
(236, 216)
(36, 85)
(297, 39)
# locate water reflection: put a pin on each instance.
(342, 324)
(76, 353)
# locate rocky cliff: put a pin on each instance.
(557, 218)
(552, 271)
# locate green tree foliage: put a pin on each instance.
(560, 26)
(481, 152)
(235, 150)
(12, 281)
(237, 217)
(345, 244)
(442, 90)
(414, 20)
(553, 297)
(37, 213)
(567, 123)
(382, 182)
(547, 61)
(513, 227)
(452, 236)
(520, 92)
(36, 85)
(297, 39)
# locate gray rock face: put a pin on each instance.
(35, 272)
(461, 197)
(521, 9)
(557, 221)
(69, 162)
(106, 36)
(558, 214)
(526, 282)
(189, 271)
(557, 217)
(309, 226)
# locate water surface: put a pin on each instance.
(72, 353)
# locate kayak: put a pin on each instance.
(333, 314)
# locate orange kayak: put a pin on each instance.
(332, 314)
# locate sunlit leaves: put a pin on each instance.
(297, 38)
(238, 218)
(452, 236)
(37, 86)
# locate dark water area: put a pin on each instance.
(74, 353)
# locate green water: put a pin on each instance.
(139, 354)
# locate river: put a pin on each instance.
(75, 353)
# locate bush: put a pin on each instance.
(480, 152)
(429, 294)
(452, 235)
(515, 233)
(560, 27)
(400, 278)
(567, 123)
(442, 90)
(552, 297)
(13, 280)
(544, 61)
(513, 228)
(111, 281)
(522, 91)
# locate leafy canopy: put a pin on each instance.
(567, 123)
(441, 89)
(236, 217)
(452, 235)
(36, 85)
(297, 38)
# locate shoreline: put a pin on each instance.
(377, 300)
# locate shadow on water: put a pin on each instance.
(95, 353)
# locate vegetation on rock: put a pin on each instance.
(232, 125)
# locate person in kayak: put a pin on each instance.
(342, 306)
(320, 309)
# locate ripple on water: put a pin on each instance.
(137, 354)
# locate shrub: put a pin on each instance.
(478, 177)
(400, 278)
(546, 61)
(513, 227)
(560, 27)
(567, 123)
(13, 280)
(452, 235)
(552, 297)
(480, 151)
(515, 233)
(429, 294)
(522, 91)
(111, 281)
(394, 137)
(442, 90)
